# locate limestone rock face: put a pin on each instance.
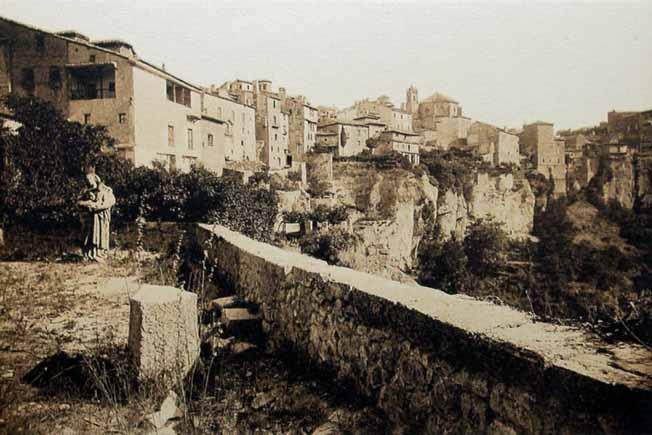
(499, 198)
(644, 181)
(163, 331)
(391, 212)
(620, 186)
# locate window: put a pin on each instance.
(178, 94)
(55, 78)
(186, 97)
(169, 90)
(122, 118)
(275, 136)
(91, 58)
(111, 90)
(27, 81)
(210, 140)
(87, 118)
(40, 42)
(274, 103)
(170, 135)
(190, 144)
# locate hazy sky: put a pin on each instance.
(506, 62)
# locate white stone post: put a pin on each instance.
(163, 331)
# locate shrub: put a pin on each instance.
(329, 246)
(42, 168)
(43, 164)
(442, 263)
(485, 246)
(453, 169)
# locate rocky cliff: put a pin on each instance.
(643, 181)
(617, 184)
(392, 207)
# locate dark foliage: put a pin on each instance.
(42, 169)
(452, 169)
(328, 246)
(321, 213)
(43, 164)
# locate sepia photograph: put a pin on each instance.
(324, 217)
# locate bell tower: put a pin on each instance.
(412, 100)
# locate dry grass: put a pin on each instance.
(73, 319)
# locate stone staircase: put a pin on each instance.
(233, 324)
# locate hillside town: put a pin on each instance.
(234, 257)
(156, 116)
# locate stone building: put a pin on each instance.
(383, 108)
(575, 142)
(435, 107)
(538, 143)
(373, 123)
(624, 127)
(152, 114)
(404, 142)
(241, 90)
(271, 125)
(272, 121)
(326, 114)
(493, 144)
(239, 137)
(439, 120)
(343, 139)
(302, 121)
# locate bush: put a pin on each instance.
(442, 263)
(328, 247)
(42, 172)
(453, 169)
(42, 165)
(485, 246)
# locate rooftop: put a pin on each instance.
(438, 97)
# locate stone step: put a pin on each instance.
(242, 323)
(224, 302)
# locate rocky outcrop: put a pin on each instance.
(392, 207)
(618, 185)
(643, 181)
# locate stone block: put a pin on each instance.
(242, 323)
(163, 331)
(225, 302)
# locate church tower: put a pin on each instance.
(412, 100)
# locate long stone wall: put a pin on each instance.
(434, 362)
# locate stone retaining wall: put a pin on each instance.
(435, 362)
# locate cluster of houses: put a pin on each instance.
(157, 116)
(624, 136)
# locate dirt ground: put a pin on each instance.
(83, 309)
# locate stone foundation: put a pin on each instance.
(435, 362)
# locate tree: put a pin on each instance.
(442, 263)
(44, 163)
(555, 251)
(485, 246)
